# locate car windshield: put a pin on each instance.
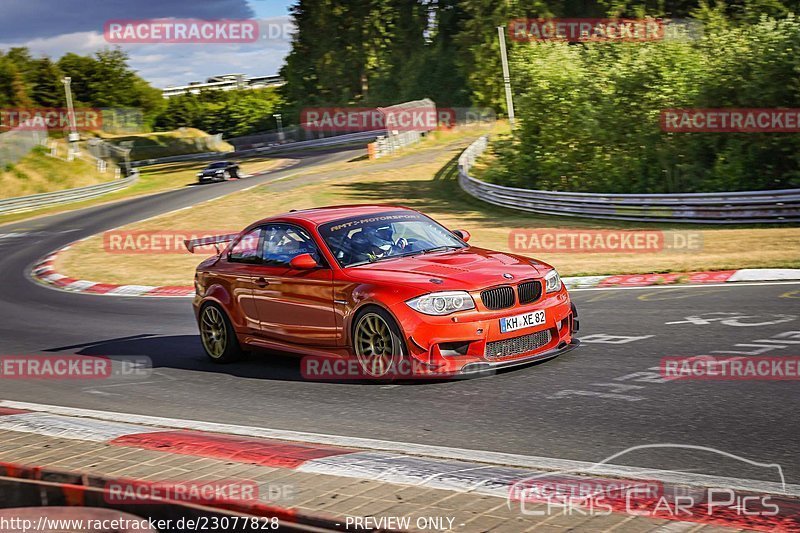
(366, 239)
(219, 164)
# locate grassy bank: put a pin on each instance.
(38, 172)
(182, 141)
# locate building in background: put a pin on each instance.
(225, 82)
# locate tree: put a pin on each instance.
(111, 81)
(22, 59)
(82, 70)
(47, 88)
(13, 90)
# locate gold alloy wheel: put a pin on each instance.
(213, 332)
(374, 345)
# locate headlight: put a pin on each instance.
(442, 303)
(552, 282)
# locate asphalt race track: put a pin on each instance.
(591, 403)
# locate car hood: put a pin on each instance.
(466, 269)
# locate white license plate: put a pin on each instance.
(526, 320)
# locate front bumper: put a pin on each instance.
(471, 342)
(488, 367)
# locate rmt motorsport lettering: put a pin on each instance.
(362, 221)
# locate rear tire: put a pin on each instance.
(378, 343)
(218, 336)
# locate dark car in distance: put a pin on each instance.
(219, 171)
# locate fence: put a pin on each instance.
(350, 138)
(36, 201)
(123, 152)
(750, 207)
(389, 144)
(16, 144)
(269, 138)
(394, 139)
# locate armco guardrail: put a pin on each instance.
(750, 207)
(27, 203)
(36, 201)
(312, 143)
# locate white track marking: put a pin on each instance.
(689, 286)
(80, 285)
(69, 428)
(424, 450)
(765, 274)
(130, 290)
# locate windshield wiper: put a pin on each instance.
(441, 248)
(407, 254)
(370, 261)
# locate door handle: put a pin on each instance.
(261, 282)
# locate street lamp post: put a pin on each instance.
(506, 75)
(73, 136)
(280, 125)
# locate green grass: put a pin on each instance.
(38, 172)
(166, 144)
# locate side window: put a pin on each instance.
(246, 250)
(283, 243)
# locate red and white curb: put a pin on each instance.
(44, 271)
(689, 278)
(469, 471)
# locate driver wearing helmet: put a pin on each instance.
(373, 242)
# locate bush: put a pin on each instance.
(589, 114)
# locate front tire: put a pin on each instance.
(218, 336)
(378, 343)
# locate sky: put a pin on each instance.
(55, 27)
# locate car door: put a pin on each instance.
(236, 274)
(294, 306)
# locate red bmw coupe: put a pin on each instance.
(383, 289)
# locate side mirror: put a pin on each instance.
(462, 234)
(303, 262)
